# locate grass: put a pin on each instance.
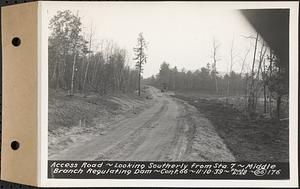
(66, 111)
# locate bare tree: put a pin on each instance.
(271, 59)
(264, 72)
(77, 44)
(260, 62)
(261, 58)
(244, 61)
(88, 60)
(73, 75)
(73, 66)
(251, 104)
(214, 65)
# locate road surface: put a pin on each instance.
(168, 130)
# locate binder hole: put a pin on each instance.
(15, 145)
(16, 41)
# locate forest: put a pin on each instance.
(75, 68)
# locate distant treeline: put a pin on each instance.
(203, 80)
(75, 67)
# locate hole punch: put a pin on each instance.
(16, 41)
(15, 145)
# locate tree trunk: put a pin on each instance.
(88, 63)
(215, 64)
(230, 69)
(54, 75)
(278, 106)
(73, 76)
(251, 108)
(246, 93)
(140, 67)
(265, 92)
(85, 76)
(270, 104)
(270, 94)
(265, 100)
(216, 81)
(64, 77)
(228, 90)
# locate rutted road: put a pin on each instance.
(169, 130)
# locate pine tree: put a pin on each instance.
(140, 57)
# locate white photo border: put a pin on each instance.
(43, 108)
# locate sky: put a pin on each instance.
(180, 34)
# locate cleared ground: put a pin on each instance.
(162, 128)
(261, 139)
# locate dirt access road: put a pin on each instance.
(169, 130)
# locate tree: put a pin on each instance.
(59, 45)
(174, 77)
(278, 82)
(140, 57)
(65, 41)
(260, 64)
(78, 45)
(251, 104)
(198, 80)
(74, 66)
(244, 61)
(164, 74)
(88, 62)
(214, 65)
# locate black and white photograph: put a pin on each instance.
(170, 90)
(150, 94)
(167, 82)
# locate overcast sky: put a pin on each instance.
(178, 33)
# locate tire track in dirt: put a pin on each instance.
(183, 141)
(118, 130)
(169, 130)
(126, 146)
(158, 140)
